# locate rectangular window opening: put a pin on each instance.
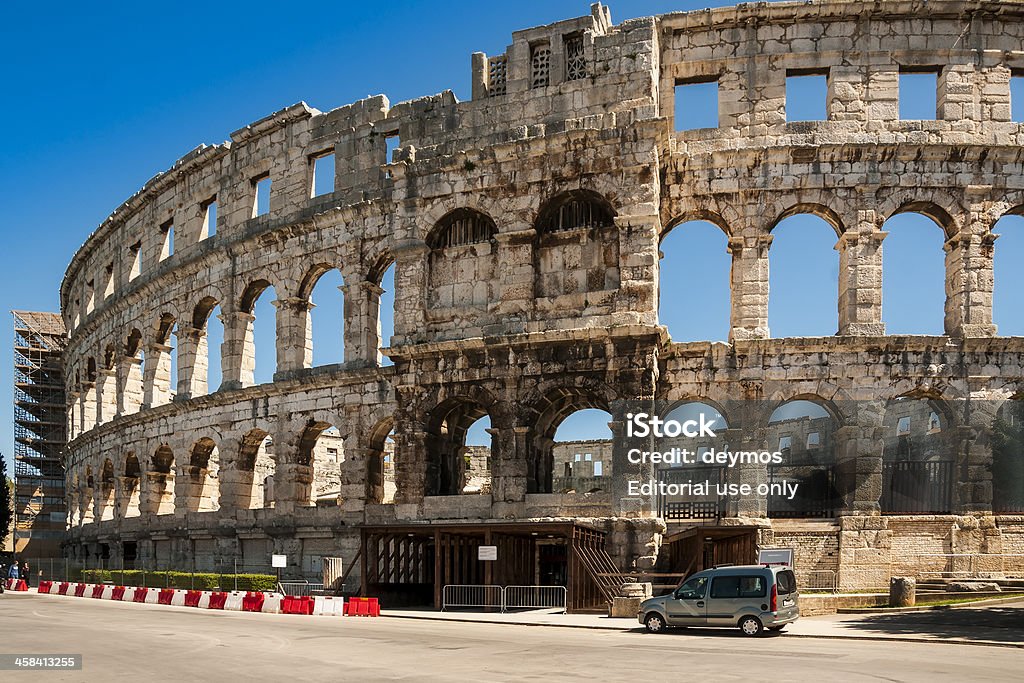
(90, 296)
(323, 174)
(135, 252)
(575, 61)
(540, 65)
(696, 105)
(391, 143)
(1017, 97)
(167, 240)
(806, 96)
(598, 468)
(918, 94)
(108, 275)
(209, 212)
(261, 195)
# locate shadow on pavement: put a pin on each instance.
(1002, 624)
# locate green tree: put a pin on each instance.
(6, 508)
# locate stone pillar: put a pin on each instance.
(749, 284)
(193, 363)
(86, 501)
(410, 462)
(131, 396)
(859, 454)
(158, 494)
(236, 486)
(481, 73)
(515, 280)
(88, 400)
(74, 414)
(106, 395)
(128, 497)
(294, 334)
(238, 361)
(860, 278)
(969, 281)
(362, 322)
(293, 485)
(754, 505)
(508, 464)
(639, 260)
(410, 292)
(157, 376)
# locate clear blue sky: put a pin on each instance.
(100, 97)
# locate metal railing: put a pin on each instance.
(504, 597)
(461, 595)
(534, 597)
(817, 580)
(300, 588)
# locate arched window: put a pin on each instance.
(913, 275)
(579, 209)
(803, 277)
(1008, 276)
(461, 227)
(689, 248)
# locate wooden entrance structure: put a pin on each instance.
(409, 565)
(699, 548)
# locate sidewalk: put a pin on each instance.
(991, 626)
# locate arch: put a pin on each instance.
(581, 455)
(803, 274)
(106, 492)
(698, 216)
(160, 371)
(207, 373)
(381, 484)
(804, 431)
(324, 324)
(574, 210)
(258, 362)
(694, 507)
(450, 463)
(461, 227)
(321, 448)
(687, 248)
(201, 487)
(1007, 276)
(546, 415)
(163, 460)
(251, 294)
(382, 304)
(930, 209)
(913, 278)
(814, 209)
(918, 454)
(246, 480)
(1008, 458)
(161, 481)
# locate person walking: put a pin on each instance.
(12, 573)
(25, 574)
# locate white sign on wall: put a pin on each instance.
(487, 552)
(783, 556)
(278, 560)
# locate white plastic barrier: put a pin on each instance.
(234, 601)
(272, 603)
(325, 605)
(204, 600)
(178, 599)
(153, 596)
(108, 592)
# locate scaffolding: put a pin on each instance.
(40, 414)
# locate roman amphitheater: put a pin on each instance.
(524, 227)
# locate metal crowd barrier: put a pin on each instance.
(300, 588)
(505, 598)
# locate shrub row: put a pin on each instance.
(172, 579)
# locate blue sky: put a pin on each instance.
(99, 97)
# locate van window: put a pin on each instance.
(786, 581)
(693, 589)
(738, 587)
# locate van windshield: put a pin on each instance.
(786, 581)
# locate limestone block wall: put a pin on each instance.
(568, 163)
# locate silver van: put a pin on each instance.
(753, 597)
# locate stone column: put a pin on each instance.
(754, 505)
(362, 322)
(860, 278)
(410, 292)
(410, 463)
(157, 371)
(859, 452)
(969, 281)
(294, 335)
(127, 497)
(236, 486)
(509, 466)
(193, 363)
(131, 396)
(238, 361)
(293, 485)
(749, 284)
(639, 260)
(106, 395)
(74, 416)
(159, 493)
(515, 280)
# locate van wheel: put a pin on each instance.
(654, 623)
(751, 626)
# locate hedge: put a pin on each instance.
(172, 579)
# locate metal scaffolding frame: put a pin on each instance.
(40, 433)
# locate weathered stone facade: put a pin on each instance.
(524, 227)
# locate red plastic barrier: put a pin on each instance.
(62, 589)
(164, 598)
(192, 598)
(20, 585)
(97, 591)
(140, 595)
(218, 600)
(373, 607)
(363, 607)
(253, 602)
(288, 604)
(45, 586)
(117, 593)
(80, 590)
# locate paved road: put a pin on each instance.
(154, 643)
